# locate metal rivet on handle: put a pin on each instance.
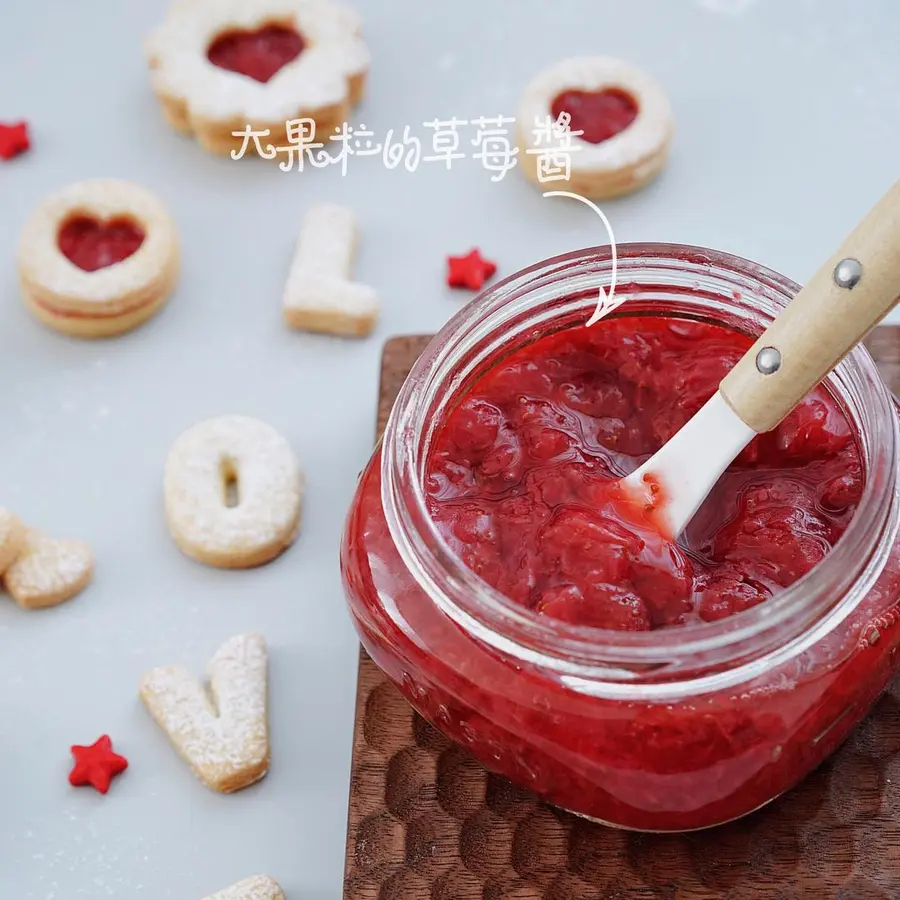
(848, 273)
(768, 361)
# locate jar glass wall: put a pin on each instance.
(666, 730)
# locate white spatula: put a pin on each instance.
(840, 304)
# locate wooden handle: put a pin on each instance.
(839, 305)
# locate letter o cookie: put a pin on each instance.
(625, 117)
(98, 258)
(232, 490)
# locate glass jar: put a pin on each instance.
(667, 730)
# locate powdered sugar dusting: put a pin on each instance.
(222, 735)
(85, 860)
(327, 240)
(319, 293)
(644, 138)
(12, 538)
(267, 478)
(316, 79)
(260, 887)
(58, 281)
(48, 571)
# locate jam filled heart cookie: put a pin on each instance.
(224, 737)
(48, 571)
(260, 887)
(601, 121)
(219, 66)
(232, 489)
(98, 258)
(319, 294)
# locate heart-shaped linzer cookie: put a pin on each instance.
(48, 571)
(92, 244)
(257, 54)
(601, 115)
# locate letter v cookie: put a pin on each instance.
(222, 734)
(259, 888)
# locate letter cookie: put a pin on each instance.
(12, 539)
(224, 737)
(98, 258)
(259, 888)
(219, 66)
(319, 295)
(48, 571)
(601, 121)
(232, 489)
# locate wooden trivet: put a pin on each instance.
(426, 822)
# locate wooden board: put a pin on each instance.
(426, 822)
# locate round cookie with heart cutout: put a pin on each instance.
(98, 258)
(598, 123)
(220, 67)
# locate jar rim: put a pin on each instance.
(491, 616)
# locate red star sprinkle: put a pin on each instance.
(13, 139)
(469, 271)
(96, 765)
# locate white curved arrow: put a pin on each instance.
(605, 303)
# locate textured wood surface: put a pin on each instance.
(426, 822)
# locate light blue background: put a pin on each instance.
(788, 117)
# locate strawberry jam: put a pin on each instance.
(259, 54)
(542, 623)
(522, 480)
(598, 115)
(92, 245)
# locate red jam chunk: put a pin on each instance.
(522, 480)
(91, 244)
(257, 54)
(601, 115)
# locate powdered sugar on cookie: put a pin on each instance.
(48, 571)
(232, 489)
(261, 887)
(201, 98)
(113, 298)
(620, 164)
(12, 538)
(319, 294)
(222, 735)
